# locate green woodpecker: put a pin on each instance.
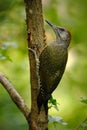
(53, 60)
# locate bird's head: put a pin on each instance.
(62, 35)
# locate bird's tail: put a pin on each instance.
(41, 100)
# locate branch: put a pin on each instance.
(17, 99)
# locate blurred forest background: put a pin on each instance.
(15, 65)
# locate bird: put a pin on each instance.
(52, 63)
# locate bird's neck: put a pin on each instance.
(62, 43)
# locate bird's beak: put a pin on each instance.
(49, 23)
(55, 28)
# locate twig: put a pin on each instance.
(17, 99)
(77, 128)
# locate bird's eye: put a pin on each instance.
(62, 29)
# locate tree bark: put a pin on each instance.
(36, 41)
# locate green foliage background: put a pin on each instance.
(14, 61)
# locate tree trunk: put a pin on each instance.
(36, 40)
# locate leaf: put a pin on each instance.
(56, 119)
(53, 103)
(84, 125)
(83, 100)
(4, 50)
(4, 57)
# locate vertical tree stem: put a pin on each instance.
(36, 39)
